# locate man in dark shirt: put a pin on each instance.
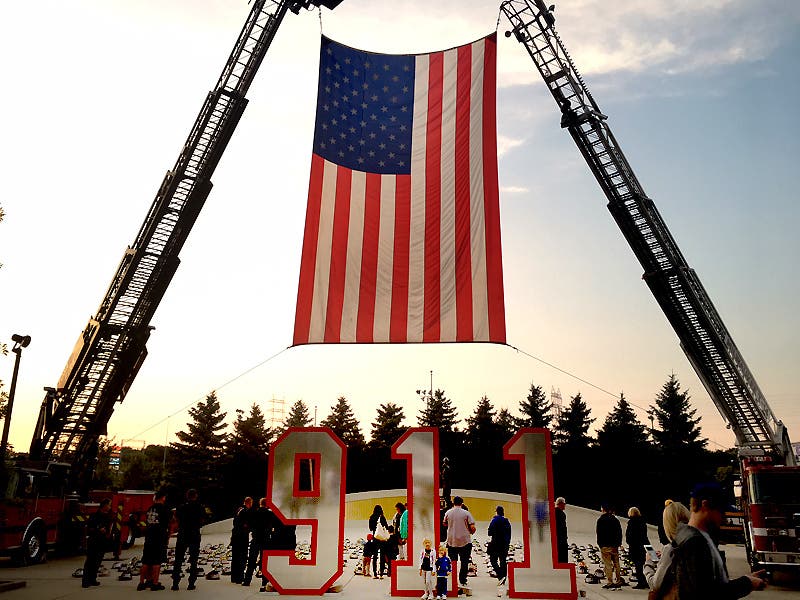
(240, 539)
(156, 537)
(609, 538)
(561, 530)
(263, 524)
(98, 531)
(191, 517)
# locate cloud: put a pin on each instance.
(513, 189)
(504, 144)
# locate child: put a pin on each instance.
(426, 560)
(392, 548)
(443, 568)
(369, 552)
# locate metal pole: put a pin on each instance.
(7, 424)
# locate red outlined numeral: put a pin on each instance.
(322, 508)
(539, 575)
(419, 447)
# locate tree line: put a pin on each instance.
(625, 462)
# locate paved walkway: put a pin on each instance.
(54, 580)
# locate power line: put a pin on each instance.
(589, 383)
(230, 381)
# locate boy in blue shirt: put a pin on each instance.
(443, 568)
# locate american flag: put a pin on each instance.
(402, 233)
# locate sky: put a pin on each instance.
(100, 96)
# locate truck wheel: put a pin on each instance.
(34, 546)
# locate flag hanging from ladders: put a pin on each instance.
(402, 232)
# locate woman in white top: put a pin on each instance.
(674, 513)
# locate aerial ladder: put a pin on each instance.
(112, 347)
(772, 522)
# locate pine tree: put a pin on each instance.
(506, 424)
(678, 431)
(572, 430)
(622, 433)
(481, 431)
(247, 452)
(344, 424)
(438, 412)
(298, 416)
(535, 409)
(196, 460)
(387, 427)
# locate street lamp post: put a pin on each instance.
(20, 342)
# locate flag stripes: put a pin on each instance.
(412, 255)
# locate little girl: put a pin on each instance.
(443, 568)
(369, 552)
(426, 560)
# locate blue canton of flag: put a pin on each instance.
(365, 109)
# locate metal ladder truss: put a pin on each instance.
(703, 336)
(111, 348)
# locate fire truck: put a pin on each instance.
(770, 499)
(38, 513)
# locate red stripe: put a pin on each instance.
(365, 325)
(305, 288)
(398, 326)
(494, 263)
(433, 192)
(462, 174)
(341, 223)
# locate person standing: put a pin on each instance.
(636, 537)
(380, 533)
(156, 538)
(98, 532)
(674, 513)
(400, 523)
(262, 526)
(190, 516)
(443, 566)
(460, 527)
(500, 534)
(699, 569)
(561, 530)
(426, 563)
(609, 538)
(240, 539)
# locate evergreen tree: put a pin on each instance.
(344, 424)
(678, 431)
(481, 431)
(387, 427)
(438, 412)
(298, 416)
(247, 452)
(196, 460)
(535, 409)
(622, 433)
(506, 424)
(572, 430)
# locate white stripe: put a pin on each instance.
(480, 302)
(383, 284)
(316, 331)
(447, 224)
(355, 238)
(416, 262)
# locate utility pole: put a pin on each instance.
(20, 342)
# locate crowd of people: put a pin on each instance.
(689, 565)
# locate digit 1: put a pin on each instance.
(316, 500)
(539, 575)
(419, 447)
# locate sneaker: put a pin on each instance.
(622, 584)
(157, 587)
(143, 585)
(609, 586)
(262, 589)
(191, 587)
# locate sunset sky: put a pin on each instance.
(701, 95)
